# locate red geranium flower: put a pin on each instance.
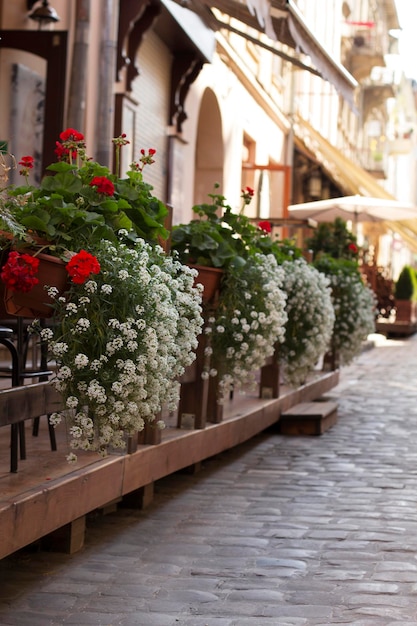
(120, 140)
(352, 247)
(103, 184)
(265, 225)
(60, 151)
(19, 272)
(81, 266)
(26, 164)
(247, 194)
(145, 159)
(27, 161)
(71, 135)
(72, 141)
(151, 152)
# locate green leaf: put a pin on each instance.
(65, 182)
(61, 166)
(35, 223)
(109, 205)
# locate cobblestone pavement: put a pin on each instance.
(283, 531)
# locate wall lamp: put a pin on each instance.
(314, 184)
(43, 14)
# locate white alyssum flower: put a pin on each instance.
(58, 348)
(90, 286)
(123, 343)
(46, 334)
(354, 304)
(81, 360)
(310, 322)
(239, 348)
(82, 325)
(71, 402)
(52, 292)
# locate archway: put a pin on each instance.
(209, 152)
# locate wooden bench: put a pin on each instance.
(308, 418)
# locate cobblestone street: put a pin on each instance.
(282, 531)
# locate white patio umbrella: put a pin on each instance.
(355, 209)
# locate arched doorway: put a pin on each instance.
(209, 152)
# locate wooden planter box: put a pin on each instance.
(406, 311)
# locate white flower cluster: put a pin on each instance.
(250, 319)
(121, 341)
(311, 317)
(354, 304)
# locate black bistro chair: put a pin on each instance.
(16, 339)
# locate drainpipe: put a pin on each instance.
(106, 73)
(77, 95)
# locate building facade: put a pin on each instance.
(296, 100)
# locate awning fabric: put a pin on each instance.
(351, 177)
(281, 21)
(190, 31)
(305, 41)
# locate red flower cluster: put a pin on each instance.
(71, 135)
(19, 272)
(145, 159)
(26, 163)
(71, 141)
(247, 194)
(352, 247)
(103, 185)
(265, 226)
(120, 140)
(81, 266)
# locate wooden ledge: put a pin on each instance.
(47, 493)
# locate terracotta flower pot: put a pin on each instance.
(210, 278)
(36, 302)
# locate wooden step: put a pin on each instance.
(308, 418)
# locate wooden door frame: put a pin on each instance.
(286, 169)
(51, 46)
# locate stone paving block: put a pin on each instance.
(400, 577)
(147, 619)
(205, 621)
(30, 618)
(380, 600)
(270, 621)
(381, 614)
(96, 618)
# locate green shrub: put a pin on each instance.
(406, 285)
(335, 240)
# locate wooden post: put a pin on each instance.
(269, 383)
(195, 389)
(140, 498)
(150, 435)
(214, 408)
(68, 538)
